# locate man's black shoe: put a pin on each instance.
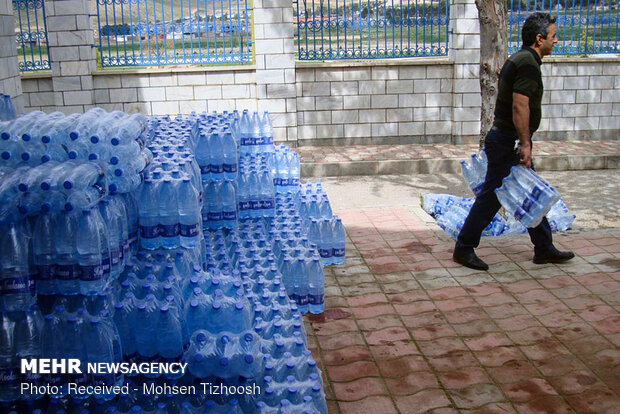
(553, 255)
(469, 259)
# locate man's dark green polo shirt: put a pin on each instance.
(521, 74)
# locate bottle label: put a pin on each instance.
(229, 215)
(519, 214)
(8, 377)
(215, 216)
(216, 168)
(29, 378)
(267, 140)
(149, 232)
(99, 189)
(302, 300)
(189, 230)
(338, 252)
(325, 253)
(116, 257)
(293, 297)
(255, 204)
(246, 141)
(205, 169)
(169, 230)
(277, 181)
(536, 192)
(477, 189)
(91, 272)
(66, 272)
(133, 238)
(268, 204)
(244, 205)
(105, 262)
(230, 168)
(124, 250)
(293, 181)
(527, 204)
(316, 299)
(45, 272)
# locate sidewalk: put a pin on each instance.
(406, 330)
(444, 158)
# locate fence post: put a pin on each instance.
(10, 80)
(465, 53)
(72, 55)
(275, 65)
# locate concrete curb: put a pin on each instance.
(451, 165)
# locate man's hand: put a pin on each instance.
(526, 155)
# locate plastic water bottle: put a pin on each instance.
(472, 177)
(216, 157)
(16, 284)
(339, 240)
(65, 250)
(27, 345)
(326, 243)
(110, 217)
(229, 156)
(89, 247)
(168, 214)
(229, 204)
(149, 215)
(294, 173)
(189, 214)
(267, 133)
(255, 132)
(169, 336)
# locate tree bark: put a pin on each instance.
(493, 17)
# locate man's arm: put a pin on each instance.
(521, 120)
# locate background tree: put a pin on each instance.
(493, 16)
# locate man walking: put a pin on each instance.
(517, 117)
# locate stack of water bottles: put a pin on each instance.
(451, 211)
(285, 168)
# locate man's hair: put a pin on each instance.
(536, 24)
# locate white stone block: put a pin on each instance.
(564, 69)
(262, 16)
(602, 109)
(331, 102)
(426, 114)
(74, 68)
(384, 73)
(67, 53)
(305, 75)
(101, 96)
(411, 100)
(277, 31)
(563, 97)
(291, 134)
(268, 4)
(470, 128)
(384, 129)
(356, 102)
(384, 101)
(316, 89)
(438, 99)
(219, 78)
(590, 69)
(236, 92)
(555, 83)
(249, 104)
(472, 99)
(588, 96)
(574, 110)
(586, 124)
(76, 38)
(609, 122)
(282, 119)
(357, 131)
(466, 86)
(107, 81)
(279, 134)
(221, 105)
(562, 124)
(61, 23)
(372, 87)
(152, 94)
(612, 95)
(135, 81)
(179, 93)
(344, 88)
(269, 46)
(282, 61)
(427, 86)
(281, 91)
(399, 86)
(345, 117)
(291, 105)
(188, 79)
(601, 82)
(245, 77)
(270, 76)
(42, 99)
(330, 131)
(67, 83)
(306, 103)
(467, 26)
(411, 128)
(70, 7)
(466, 56)
(317, 117)
(350, 74)
(466, 114)
(440, 72)
(412, 72)
(399, 115)
(78, 97)
(372, 115)
(124, 95)
(438, 128)
(329, 74)
(306, 131)
(208, 92)
(553, 111)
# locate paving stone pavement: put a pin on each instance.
(406, 330)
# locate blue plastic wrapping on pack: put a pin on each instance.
(475, 172)
(452, 222)
(559, 217)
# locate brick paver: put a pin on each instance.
(404, 331)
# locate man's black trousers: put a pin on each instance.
(501, 153)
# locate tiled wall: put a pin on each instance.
(9, 74)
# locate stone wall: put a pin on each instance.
(403, 100)
(9, 73)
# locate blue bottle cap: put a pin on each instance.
(72, 155)
(94, 139)
(25, 156)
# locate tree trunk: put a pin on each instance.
(493, 16)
